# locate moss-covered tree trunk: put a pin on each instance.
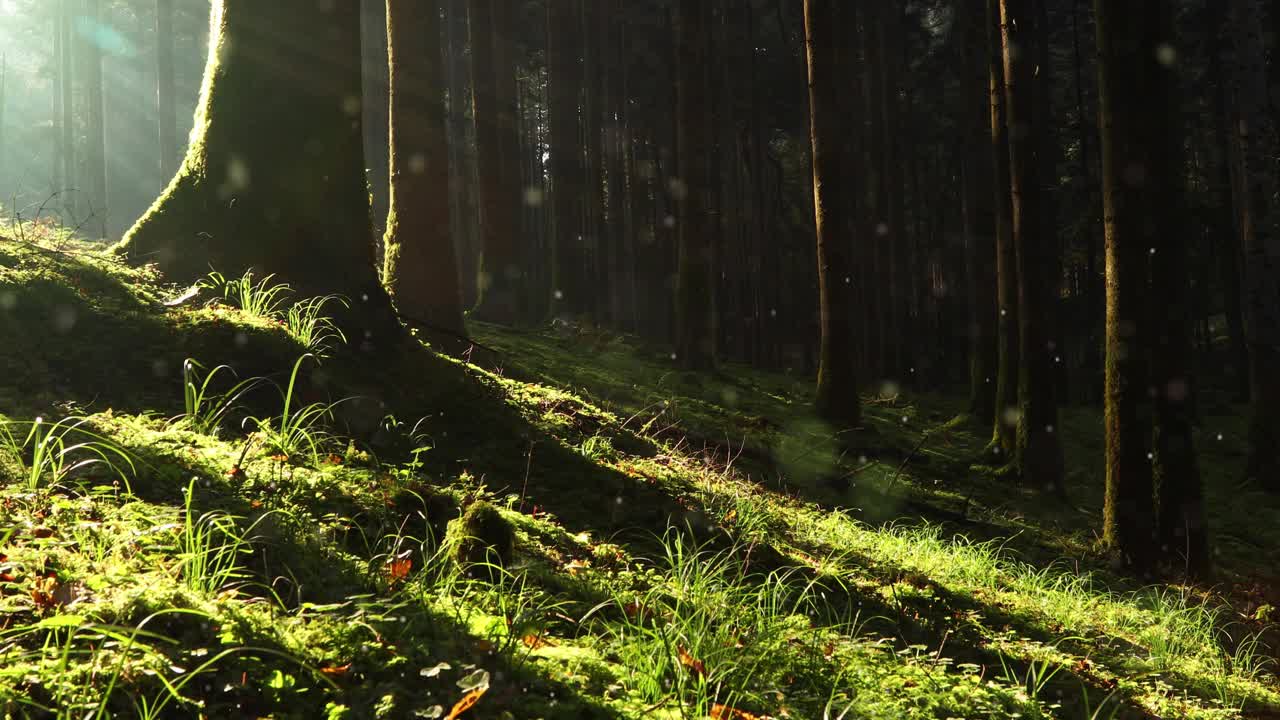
(1005, 430)
(1128, 512)
(1039, 452)
(837, 396)
(274, 177)
(420, 269)
(696, 227)
(1255, 135)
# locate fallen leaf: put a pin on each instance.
(42, 532)
(336, 670)
(467, 702)
(399, 567)
(724, 712)
(691, 662)
(536, 641)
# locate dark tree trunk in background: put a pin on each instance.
(66, 97)
(695, 223)
(420, 268)
(501, 268)
(505, 268)
(1182, 535)
(274, 177)
(895, 236)
(166, 92)
(95, 124)
(1255, 130)
(376, 104)
(564, 81)
(1006, 397)
(828, 61)
(979, 215)
(1226, 225)
(461, 160)
(1039, 452)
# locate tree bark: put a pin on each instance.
(166, 92)
(1255, 131)
(274, 177)
(696, 225)
(979, 217)
(837, 395)
(501, 271)
(564, 80)
(1128, 512)
(1005, 433)
(420, 269)
(1039, 452)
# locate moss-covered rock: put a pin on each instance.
(481, 539)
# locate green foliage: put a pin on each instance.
(49, 454)
(296, 433)
(210, 549)
(316, 331)
(262, 299)
(206, 410)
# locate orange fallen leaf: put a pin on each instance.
(399, 567)
(690, 661)
(466, 703)
(334, 459)
(336, 670)
(536, 641)
(724, 712)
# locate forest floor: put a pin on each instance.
(682, 545)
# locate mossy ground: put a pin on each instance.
(686, 544)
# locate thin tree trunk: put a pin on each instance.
(166, 92)
(695, 284)
(1038, 452)
(1004, 435)
(837, 396)
(979, 219)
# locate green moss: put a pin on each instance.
(481, 539)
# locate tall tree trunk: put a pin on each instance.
(501, 273)
(376, 104)
(1182, 529)
(894, 236)
(1038, 452)
(166, 92)
(1128, 513)
(95, 123)
(461, 160)
(1005, 431)
(695, 324)
(274, 177)
(67, 100)
(837, 395)
(420, 269)
(505, 264)
(564, 80)
(979, 217)
(1255, 129)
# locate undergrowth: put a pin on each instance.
(654, 544)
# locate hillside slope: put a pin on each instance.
(550, 525)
